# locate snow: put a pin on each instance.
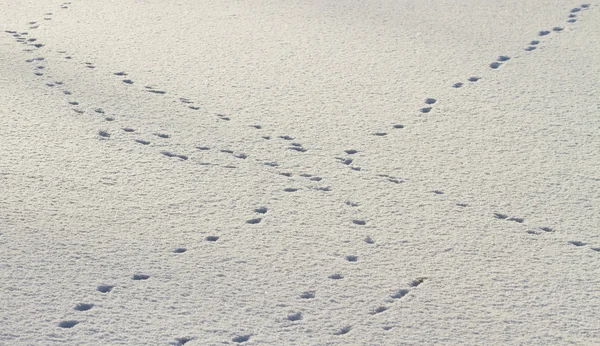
(265, 173)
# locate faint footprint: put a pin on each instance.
(379, 310)
(344, 330)
(336, 277)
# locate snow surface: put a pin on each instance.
(299, 172)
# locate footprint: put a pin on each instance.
(290, 189)
(83, 307)
(575, 10)
(495, 65)
(120, 74)
(254, 221)
(359, 222)
(380, 134)
(416, 282)
(517, 219)
(258, 127)
(99, 110)
(462, 205)
(379, 310)
(543, 33)
(109, 119)
(128, 129)
(287, 138)
(500, 216)
(179, 250)
(530, 48)
(426, 109)
(261, 210)
(398, 126)
(352, 204)
(457, 85)
(316, 179)
(400, 293)
(572, 15)
(104, 288)
(212, 238)
(103, 134)
(141, 141)
(546, 229)
(184, 100)
(577, 243)
(295, 317)
(369, 240)
(138, 277)
(343, 330)
(571, 20)
(183, 341)
(128, 81)
(272, 164)
(68, 324)
(351, 258)
(557, 29)
(157, 91)
(241, 338)
(430, 101)
(300, 149)
(203, 148)
(336, 277)
(473, 79)
(307, 295)
(162, 135)
(194, 107)
(438, 192)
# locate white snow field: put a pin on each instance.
(325, 172)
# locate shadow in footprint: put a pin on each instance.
(241, 338)
(140, 277)
(104, 288)
(83, 307)
(68, 324)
